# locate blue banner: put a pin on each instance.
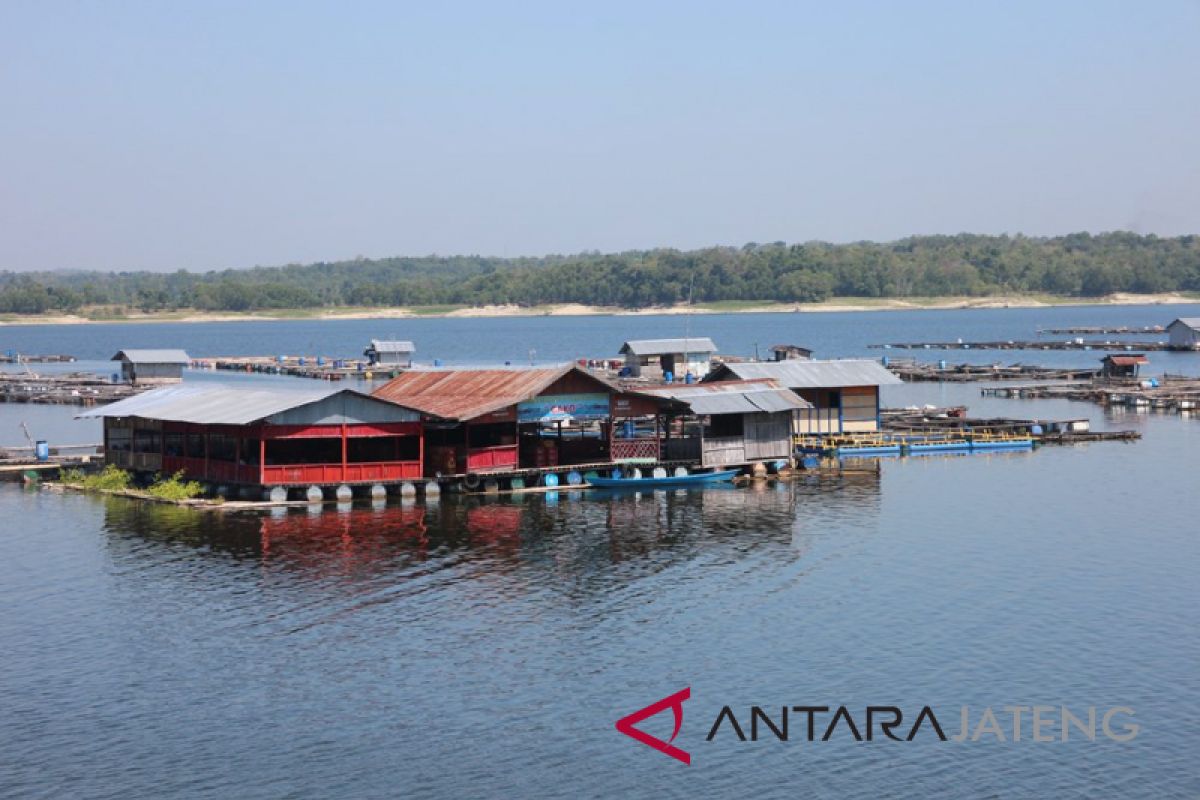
(552, 408)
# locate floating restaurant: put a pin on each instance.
(256, 437)
(514, 418)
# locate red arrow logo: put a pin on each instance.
(673, 702)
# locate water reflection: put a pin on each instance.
(572, 532)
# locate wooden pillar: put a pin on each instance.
(262, 458)
(466, 448)
(345, 453)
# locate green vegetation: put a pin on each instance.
(174, 487)
(1078, 265)
(115, 479)
(110, 479)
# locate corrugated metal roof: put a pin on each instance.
(152, 356)
(1191, 322)
(1126, 361)
(732, 397)
(220, 404)
(459, 394)
(797, 374)
(392, 346)
(658, 347)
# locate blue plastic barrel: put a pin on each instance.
(41, 450)
(942, 364)
(280, 359)
(884, 360)
(669, 377)
(320, 361)
(437, 362)
(1036, 430)
(550, 480)
(302, 361)
(689, 378)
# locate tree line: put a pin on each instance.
(1075, 265)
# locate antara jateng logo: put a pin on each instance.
(813, 723)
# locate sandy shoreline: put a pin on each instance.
(579, 310)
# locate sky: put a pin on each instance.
(210, 135)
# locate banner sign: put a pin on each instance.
(552, 408)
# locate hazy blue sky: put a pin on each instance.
(168, 135)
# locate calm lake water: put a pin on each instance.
(485, 649)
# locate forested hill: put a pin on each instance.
(1074, 265)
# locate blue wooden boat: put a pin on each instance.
(693, 479)
(869, 450)
(939, 447)
(1003, 444)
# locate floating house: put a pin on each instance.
(148, 367)
(391, 353)
(730, 423)
(667, 359)
(787, 352)
(505, 419)
(1124, 365)
(1184, 334)
(844, 394)
(263, 436)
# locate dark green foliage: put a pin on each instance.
(921, 266)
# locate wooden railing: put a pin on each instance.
(634, 450)
(480, 459)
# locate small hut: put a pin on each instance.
(1184, 334)
(1124, 365)
(788, 352)
(391, 353)
(730, 423)
(844, 394)
(664, 359)
(148, 367)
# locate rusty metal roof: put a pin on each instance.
(461, 394)
(1126, 361)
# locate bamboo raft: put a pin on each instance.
(1172, 393)
(912, 371)
(1095, 330)
(76, 388)
(21, 358)
(1012, 344)
(314, 367)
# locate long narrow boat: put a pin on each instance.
(694, 479)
